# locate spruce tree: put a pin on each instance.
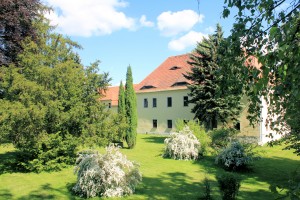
(214, 95)
(131, 110)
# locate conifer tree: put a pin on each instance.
(131, 110)
(121, 107)
(215, 96)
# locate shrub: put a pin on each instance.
(207, 191)
(236, 156)
(199, 131)
(229, 185)
(183, 145)
(52, 152)
(108, 175)
(222, 137)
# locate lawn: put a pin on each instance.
(162, 178)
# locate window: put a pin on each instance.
(237, 126)
(169, 123)
(154, 122)
(154, 101)
(145, 103)
(169, 101)
(109, 105)
(185, 101)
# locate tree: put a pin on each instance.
(215, 95)
(131, 110)
(122, 108)
(16, 17)
(50, 101)
(270, 31)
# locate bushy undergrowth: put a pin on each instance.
(200, 133)
(182, 146)
(222, 137)
(236, 156)
(229, 185)
(52, 152)
(108, 175)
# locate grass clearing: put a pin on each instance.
(162, 178)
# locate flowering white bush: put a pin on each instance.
(183, 145)
(108, 175)
(236, 156)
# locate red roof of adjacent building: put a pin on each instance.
(168, 75)
(111, 94)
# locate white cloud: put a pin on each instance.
(190, 39)
(89, 17)
(144, 22)
(210, 29)
(173, 23)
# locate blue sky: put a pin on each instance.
(138, 33)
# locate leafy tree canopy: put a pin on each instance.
(270, 31)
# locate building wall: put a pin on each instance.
(162, 112)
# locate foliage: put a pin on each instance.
(131, 110)
(108, 175)
(199, 131)
(236, 156)
(50, 92)
(216, 96)
(222, 137)
(54, 152)
(182, 145)
(291, 188)
(269, 30)
(16, 19)
(207, 193)
(122, 108)
(229, 185)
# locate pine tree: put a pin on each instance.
(131, 110)
(214, 95)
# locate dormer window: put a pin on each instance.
(147, 87)
(182, 83)
(175, 68)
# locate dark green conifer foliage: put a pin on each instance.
(121, 106)
(215, 96)
(131, 110)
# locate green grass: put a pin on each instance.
(162, 178)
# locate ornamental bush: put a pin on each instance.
(200, 133)
(229, 185)
(182, 146)
(236, 156)
(108, 175)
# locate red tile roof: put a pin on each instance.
(168, 75)
(111, 94)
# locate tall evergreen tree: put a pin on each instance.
(131, 110)
(215, 96)
(121, 107)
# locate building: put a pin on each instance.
(162, 98)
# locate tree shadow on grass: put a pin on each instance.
(46, 191)
(155, 139)
(263, 175)
(9, 163)
(173, 185)
(5, 194)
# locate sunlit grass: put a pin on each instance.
(162, 178)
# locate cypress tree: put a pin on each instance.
(121, 106)
(131, 110)
(215, 96)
